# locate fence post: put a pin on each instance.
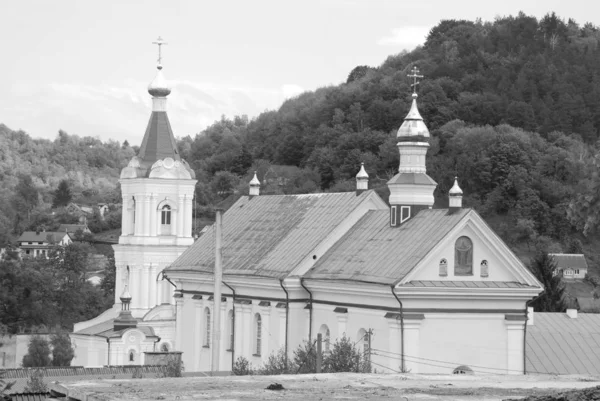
(319, 354)
(368, 356)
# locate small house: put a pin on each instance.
(570, 265)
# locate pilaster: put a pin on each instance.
(153, 216)
(198, 332)
(514, 346)
(146, 222)
(265, 315)
(395, 361)
(282, 315)
(179, 324)
(247, 331)
(412, 344)
(342, 320)
(180, 215)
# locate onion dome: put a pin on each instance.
(255, 182)
(159, 87)
(455, 190)
(362, 174)
(413, 129)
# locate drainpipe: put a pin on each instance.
(108, 356)
(402, 366)
(155, 342)
(310, 312)
(232, 325)
(287, 315)
(525, 331)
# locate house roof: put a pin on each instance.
(71, 228)
(572, 260)
(270, 235)
(42, 236)
(558, 344)
(106, 329)
(372, 251)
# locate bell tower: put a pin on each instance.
(411, 189)
(157, 189)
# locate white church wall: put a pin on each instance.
(429, 268)
(90, 351)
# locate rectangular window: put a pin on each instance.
(393, 216)
(405, 212)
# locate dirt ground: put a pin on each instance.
(341, 386)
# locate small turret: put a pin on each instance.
(125, 320)
(254, 186)
(455, 196)
(362, 180)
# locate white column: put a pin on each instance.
(188, 216)
(514, 347)
(281, 327)
(265, 315)
(394, 362)
(412, 344)
(146, 215)
(139, 216)
(118, 284)
(143, 290)
(125, 227)
(152, 290)
(246, 333)
(198, 333)
(180, 215)
(179, 324)
(134, 282)
(153, 216)
(240, 331)
(342, 319)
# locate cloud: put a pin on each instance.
(406, 37)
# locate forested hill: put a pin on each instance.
(513, 107)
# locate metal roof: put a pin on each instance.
(572, 260)
(466, 284)
(158, 141)
(558, 344)
(106, 329)
(41, 236)
(373, 251)
(269, 235)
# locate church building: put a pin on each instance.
(158, 189)
(423, 290)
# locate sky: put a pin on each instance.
(84, 66)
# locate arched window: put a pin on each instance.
(258, 334)
(165, 220)
(443, 268)
(326, 337)
(484, 268)
(230, 328)
(207, 327)
(463, 257)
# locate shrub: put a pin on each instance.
(305, 358)
(242, 367)
(173, 367)
(38, 353)
(276, 364)
(345, 357)
(62, 349)
(35, 383)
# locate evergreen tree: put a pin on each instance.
(38, 353)
(62, 349)
(62, 195)
(35, 382)
(553, 298)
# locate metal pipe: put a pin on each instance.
(108, 356)
(216, 329)
(232, 325)
(287, 320)
(310, 311)
(402, 365)
(525, 330)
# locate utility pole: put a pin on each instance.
(216, 333)
(319, 354)
(368, 355)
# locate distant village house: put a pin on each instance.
(39, 243)
(570, 265)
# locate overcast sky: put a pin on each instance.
(83, 66)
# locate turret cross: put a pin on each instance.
(415, 75)
(159, 42)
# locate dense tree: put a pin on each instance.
(62, 195)
(543, 266)
(62, 349)
(38, 353)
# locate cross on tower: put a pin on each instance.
(415, 75)
(159, 42)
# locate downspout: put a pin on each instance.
(108, 356)
(154, 346)
(232, 325)
(310, 312)
(287, 316)
(525, 331)
(402, 366)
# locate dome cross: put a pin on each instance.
(159, 42)
(415, 75)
